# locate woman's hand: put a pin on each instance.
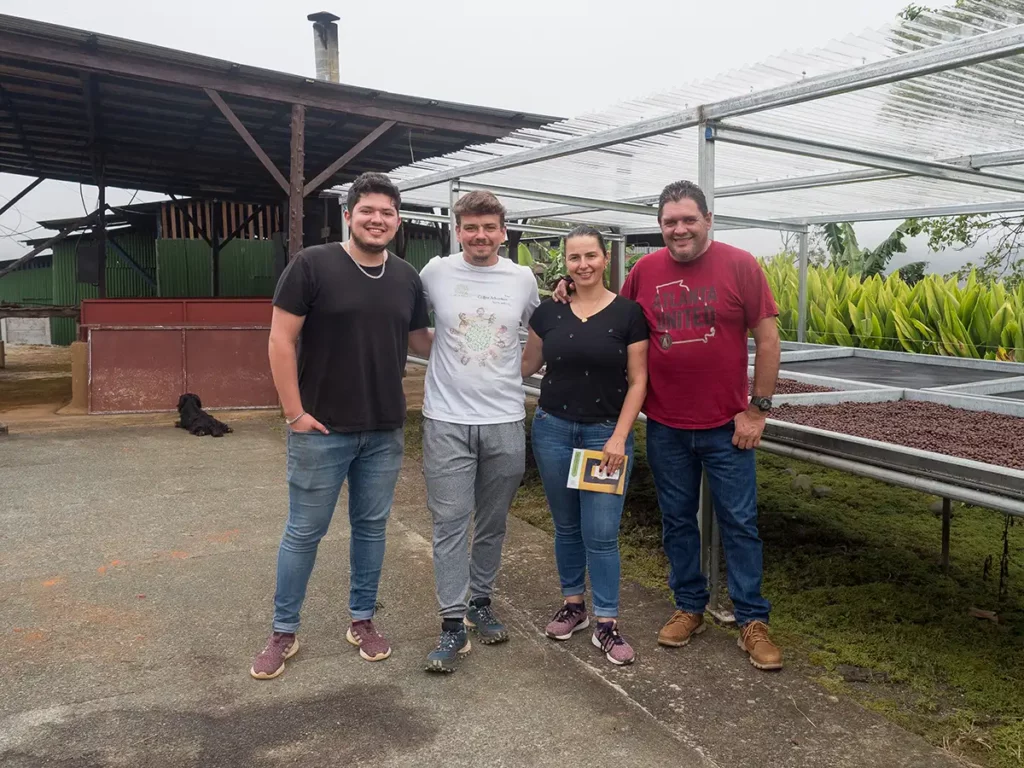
(614, 454)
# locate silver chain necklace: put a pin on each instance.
(383, 265)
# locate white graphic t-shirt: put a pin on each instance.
(473, 376)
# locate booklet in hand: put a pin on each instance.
(585, 473)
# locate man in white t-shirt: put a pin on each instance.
(474, 414)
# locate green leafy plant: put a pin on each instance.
(935, 315)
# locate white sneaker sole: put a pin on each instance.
(616, 662)
(271, 675)
(352, 639)
(582, 625)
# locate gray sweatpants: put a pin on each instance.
(470, 469)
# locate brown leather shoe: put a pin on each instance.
(764, 654)
(680, 628)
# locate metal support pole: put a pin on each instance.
(453, 198)
(514, 236)
(618, 264)
(706, 166)
(947, 516)
(801, 320)
(296, 196)
(711, 552)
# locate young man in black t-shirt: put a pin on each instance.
(344, 317)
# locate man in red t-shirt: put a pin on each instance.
(702, 298)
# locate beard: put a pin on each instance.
(365, 246)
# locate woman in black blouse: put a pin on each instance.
(596, 379)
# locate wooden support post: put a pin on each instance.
(947, 516)
(99, 232)
(296, 196)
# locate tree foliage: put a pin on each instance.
(1005, 259)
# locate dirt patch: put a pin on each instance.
(34, 377)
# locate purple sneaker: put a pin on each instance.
(616, 649)
(372, 645)
(570, 618)
(270, 661)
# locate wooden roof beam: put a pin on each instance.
(264, 158)
(344, 160)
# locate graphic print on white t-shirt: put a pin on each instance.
(473, 375)
(478, 337)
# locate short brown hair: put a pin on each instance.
(479, 203)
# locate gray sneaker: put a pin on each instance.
(450, 647)
(485, 622)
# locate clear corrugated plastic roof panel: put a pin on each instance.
(965, 111)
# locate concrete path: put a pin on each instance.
(136, 580)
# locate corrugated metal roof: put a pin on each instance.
(971, 110)
(67, 90)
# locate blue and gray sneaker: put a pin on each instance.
(481, 618)
(450, 647)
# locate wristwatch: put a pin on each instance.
(763, 404)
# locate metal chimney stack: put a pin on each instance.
(325, 46)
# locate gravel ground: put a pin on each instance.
(978, 435)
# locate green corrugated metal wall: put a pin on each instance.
(185, 270)
(247, 268)
(122, 280)
(27, 286)
(418, 251)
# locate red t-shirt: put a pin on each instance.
(699, 316)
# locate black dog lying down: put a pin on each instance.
(196, 420)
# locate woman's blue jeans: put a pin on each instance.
(586, 523)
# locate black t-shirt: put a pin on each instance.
(586, 377)
(354, 342)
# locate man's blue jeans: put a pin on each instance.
(586, 523)
(318, 465)
(676, 457)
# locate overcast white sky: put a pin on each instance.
(557, 57)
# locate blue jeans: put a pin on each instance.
(586, 523)
(318, 465)
(676, 457)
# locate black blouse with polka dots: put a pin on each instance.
(586, 377)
